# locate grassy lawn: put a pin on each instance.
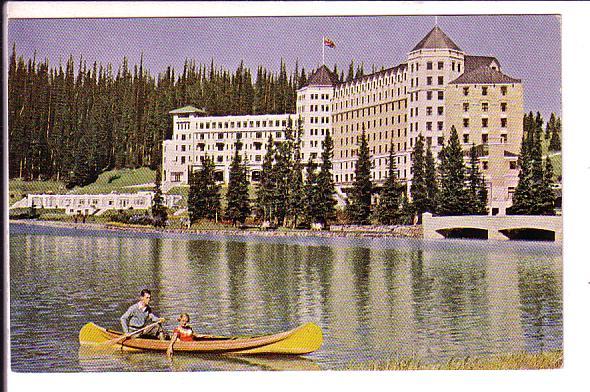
(120, 181)
(544, 360)
(19, 189)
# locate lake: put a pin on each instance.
(374, 298)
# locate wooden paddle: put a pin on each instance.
(121, 339)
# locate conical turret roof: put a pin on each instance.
(322, 77)
(436, 39)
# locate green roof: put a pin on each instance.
(187, 109)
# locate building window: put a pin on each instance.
(484, 91)
(504, 138)
(484, 122)
(512, 165)
(466, 91)
(503, 106)
(182, 160)
(219, 158)
(465, 106)
(504, 90)
(429, 80)
(429, 110)
(429, 95)
(441, 65)
(440, 125)
(452, 65)
(484, 138)
(440, 140)
(484, 165)
(503, 122)
(465, 138)
(484, 106)
(440, 110)
(440, 80)
(466, 122)
(429, 126)
(429, 65)
(175, 176)
(441, 95)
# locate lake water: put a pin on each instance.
(375, 299)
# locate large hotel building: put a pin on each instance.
(438, 87)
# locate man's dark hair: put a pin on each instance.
(144, 292)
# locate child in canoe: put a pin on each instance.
(183, 332)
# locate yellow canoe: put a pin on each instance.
(301, 340)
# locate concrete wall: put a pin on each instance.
(493, 224)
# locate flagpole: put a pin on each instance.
(323, 49)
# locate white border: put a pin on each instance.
(576, 165)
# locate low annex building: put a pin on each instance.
(96, 204)
(437, 88)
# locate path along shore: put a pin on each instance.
(336, 231)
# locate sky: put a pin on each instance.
(527, 46)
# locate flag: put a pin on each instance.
(328, 42)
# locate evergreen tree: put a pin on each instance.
(326, 187)
(282, 174)
(478, 193)
(296, 201)
(238, 203)
(523, 198)
(359, 203)
(547, 198)
(407, 212)
(312, 208)
(550, 126)
(555, 142)
(387, 212)
(267, 185)
(159, 210)
(418, 188)
(430, 180)
(203, 198)
(453, 198)
(350, 75)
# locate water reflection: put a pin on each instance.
(374, 299)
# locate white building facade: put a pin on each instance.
(92, 204)
(196, 136)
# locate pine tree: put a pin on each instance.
(203, 198)
(359, 203)
(453, 198)
(547, 198)
(522, 200)
(477, 190)
(296, 201)
(267, 185)
(282, 173)
(311, 190)
(326, 187)
(159, 210)
(407, 212)
(430, 180)
(418, 188)
(350, 75)
(555, 142)
(238, 203)
(388, 212)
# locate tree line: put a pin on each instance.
(70, 124)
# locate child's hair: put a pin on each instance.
(186, 315)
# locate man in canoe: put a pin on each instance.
(139, 315)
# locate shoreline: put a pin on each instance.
(398, 232)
